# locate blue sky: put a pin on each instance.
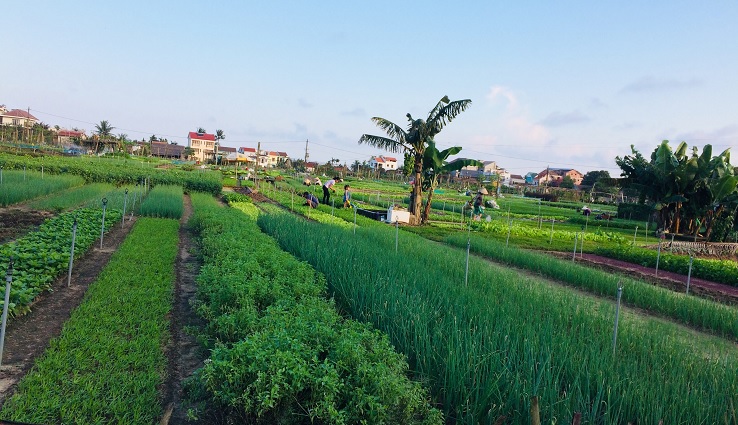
(564, 84)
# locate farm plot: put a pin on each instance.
(108, 364)
(19, 185)
(280, 351)
(39, 257)
(486, 347)
(163, 202)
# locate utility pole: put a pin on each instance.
(307, 155)
(258, 159)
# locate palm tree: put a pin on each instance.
(435, 165)
(201, 130)
(415, 140)
(103, 130)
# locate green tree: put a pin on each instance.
(593, 178)
(683, 188)
(103, 130)
(415, 139)
(201, 130)
(434, 165)
(567, 183)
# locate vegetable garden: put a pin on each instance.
(325, 316)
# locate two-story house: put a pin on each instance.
(386, 163)
(16, 117)
(202, 145)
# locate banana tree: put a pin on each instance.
(435, 165)
(414, 140)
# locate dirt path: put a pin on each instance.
(28, 336)
(678, 282)
(184, 353)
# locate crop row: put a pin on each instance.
(163, 202)
(722, 271)
(18, 186)
(40, 256)
(704, 314)
(107, 365)
(280, 352)
(487, 346)
(108, 171)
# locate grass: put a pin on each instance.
(72, 198)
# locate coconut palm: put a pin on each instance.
(415, 140)
(103, 130)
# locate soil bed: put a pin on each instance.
(28, 336)
(15, 222)
(704, 288)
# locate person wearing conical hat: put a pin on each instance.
(479, 203)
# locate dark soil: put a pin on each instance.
(704, 288)
(28, 336)
(184, 353)
(15, 222)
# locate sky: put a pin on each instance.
(560, 84)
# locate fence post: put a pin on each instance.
(8, 282)
(102, 227)
(634, 236)
(535, 416)
(466, 274)
(576, 242)
(671, 246)
(397, 234)
(689, 274)
(617, 318)
(658, 257)
(71, 253)
(509, 228)
(550, 241)
(540, 219)
(125, 204)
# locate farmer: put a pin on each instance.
(327, 187)
(479, 203)
(346, 197)
(310, 200)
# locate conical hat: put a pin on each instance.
(483, 191)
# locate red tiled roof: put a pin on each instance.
(379, 159)
(282, 154)
(227, 149)
(389, 158)
(203, 136)
(248, 150)
(19, 113)
(70, 133)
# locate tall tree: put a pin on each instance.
(201, 130)
(103, 130)
(414, 141)
(434, 165)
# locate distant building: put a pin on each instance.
(203, 146)
(386, 163)
(554, 176)
(64, 137)
(166, 150)
(516, 179)
(17, 117)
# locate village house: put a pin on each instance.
(202, 145)
(554, 176)
(17, 117)
(64, 137)
(386, 163)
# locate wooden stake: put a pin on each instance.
(535, 417)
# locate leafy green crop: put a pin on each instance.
(108, 365)
(39, 257)
(281, 353)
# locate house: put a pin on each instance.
(203, 146)
(265, 159)
(16, 117)
(386, 163)
(311, 166)
(63, 137)
(166, 150)
(530, 178)
(554, 176)
(516, 179)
